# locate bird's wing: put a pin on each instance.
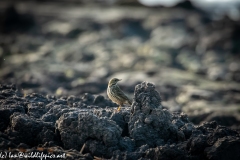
(120, 92)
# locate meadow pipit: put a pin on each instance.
(116, 94)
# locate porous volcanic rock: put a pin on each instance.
(25, 129)
(150, 123)
(78, 127)
(146, 130)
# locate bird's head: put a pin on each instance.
(113, 81)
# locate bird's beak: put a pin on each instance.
(119, 79)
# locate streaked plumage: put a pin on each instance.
(116, 94)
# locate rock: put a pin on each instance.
(29, 130)
(54, 113)
(191, 62)
(146, 131)
(88, 98)
(6, 112)
(100, 101)
(207, 127)
(15, 21)
(72, 99)
(36, 98)
(217, 73)
(224, 119)
(188, 129)
(220, 132)
(148, 115)
(10, 103)
(36, 111)
(96, 148)
(126, 144)
(179, 119)
(166, 152)
(119, 119)
(224, 148)
(197, 144)
(76, 128)
(5, 142)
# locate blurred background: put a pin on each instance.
(189, 49)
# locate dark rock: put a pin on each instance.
(150, 131)
(14, 21)
(180, 119)
(87, 57)
(74, 33)
(60, 101)
(186, 4)
(207, 127)
(103, 113)
(149, 116)
(220, 132)
(36, 110)
(99, 101)
(102, 102)
(224, 119)
(55, 112)
(29, 130)
(126, 144)
(197, 144)
(188, 129)
(166, 152)
(76, 127)
(119, 119)
(88, 98)
(36, 98)
(143, 148)
(129, 27)
(9, 104)
(96, 148)
(118, 155)
(71, 100)
(6, 143)
(51, 97)
(6, 112)
(32, 83)
(23, 145)
(224, 148)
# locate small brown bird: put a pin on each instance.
(116, 94)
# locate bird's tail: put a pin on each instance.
(129, 101)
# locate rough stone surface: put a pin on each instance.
(76, 127)
(149, 116)
(224, 148)
(25, 129)
(146, 130)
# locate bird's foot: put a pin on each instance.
(118, 109)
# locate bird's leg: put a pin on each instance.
(119, 108)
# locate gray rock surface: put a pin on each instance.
(146, 130)
(148, 115)
(76, 127)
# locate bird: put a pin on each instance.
(116, 94)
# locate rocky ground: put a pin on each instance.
(146, 131)
(60, 57)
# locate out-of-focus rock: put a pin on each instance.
(10, 103)
(225, 119)
(15, 21)
(224, 148)
(217, 73)
(29, 130)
